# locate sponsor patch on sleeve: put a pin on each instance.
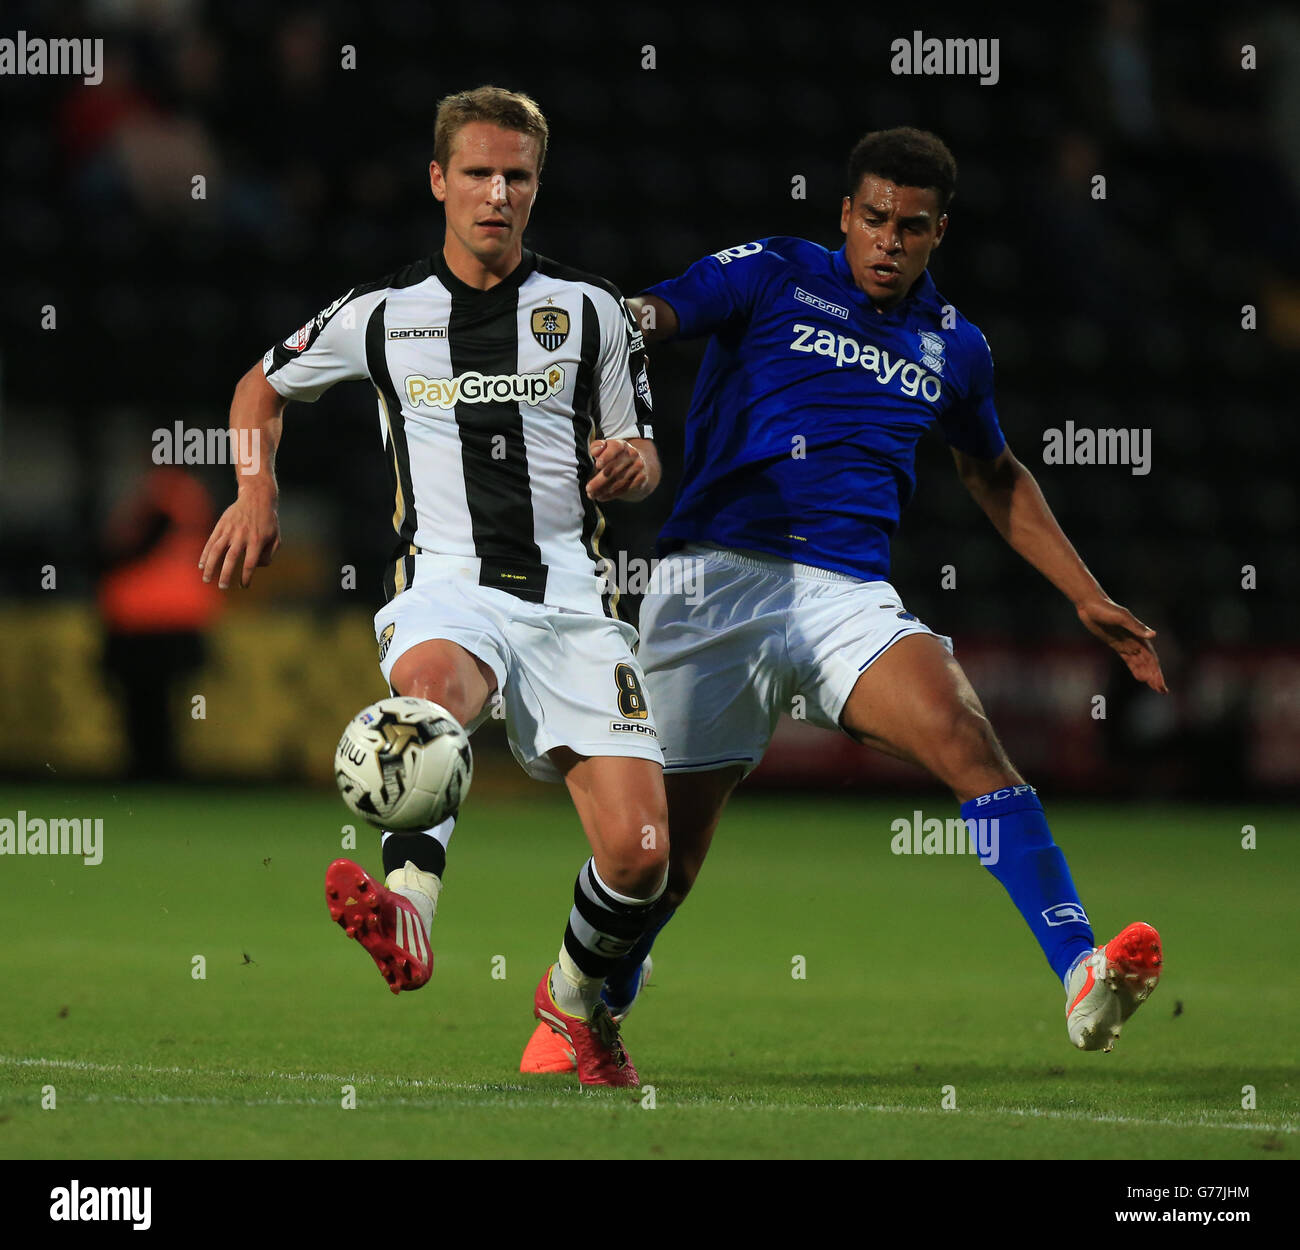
(643, 388)
(297, 342)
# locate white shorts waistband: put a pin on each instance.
(763, 563)
(573, 591)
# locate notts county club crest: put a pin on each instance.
(550, 326)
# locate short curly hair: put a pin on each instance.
(907, 157)
(511, 110)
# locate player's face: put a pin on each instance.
(889, 232)
(487, 190)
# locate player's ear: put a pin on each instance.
(437, 182)
(940, 229)
(845, 205)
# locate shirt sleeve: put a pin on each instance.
(971, 424)
(626, 407)
(330, 348)
(716, 290)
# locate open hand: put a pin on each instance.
(1120, 630)
(250, 529)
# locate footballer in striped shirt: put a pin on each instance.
(512, 399)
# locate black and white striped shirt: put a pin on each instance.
(487, 403)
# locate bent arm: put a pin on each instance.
(249, 528)
(258, 408)
(1012, 500)
(1010, 497)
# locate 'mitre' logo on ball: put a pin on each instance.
(550, 326)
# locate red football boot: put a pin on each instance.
(1107, 987)
(548, 1051)
(596, 1045)
(384, 922)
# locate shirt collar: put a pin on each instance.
(512, 280)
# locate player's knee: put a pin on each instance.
(442, 685)
(638, 855)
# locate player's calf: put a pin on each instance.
(604, 925)
(1021, 853)
(620, 800)
(695, 804)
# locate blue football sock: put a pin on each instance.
(1033, 871)
(621, 984)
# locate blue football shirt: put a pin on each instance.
(801, 435)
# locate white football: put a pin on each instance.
(403, 763)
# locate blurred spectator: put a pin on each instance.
(155, 607)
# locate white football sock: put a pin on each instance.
(419, 888)
(575, 993)
(443, 831)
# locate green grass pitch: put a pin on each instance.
(919, 976)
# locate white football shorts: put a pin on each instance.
(730, 640)
(566, 678)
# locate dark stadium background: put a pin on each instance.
(1122, 312)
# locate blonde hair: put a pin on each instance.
(511, 110)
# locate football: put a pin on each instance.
(403, 763)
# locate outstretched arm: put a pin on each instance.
(1008, 494)
(250, 527)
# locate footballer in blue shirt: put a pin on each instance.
(821, 373)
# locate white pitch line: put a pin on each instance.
(692, 1100)
(333, 1078)
(367, 1103)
